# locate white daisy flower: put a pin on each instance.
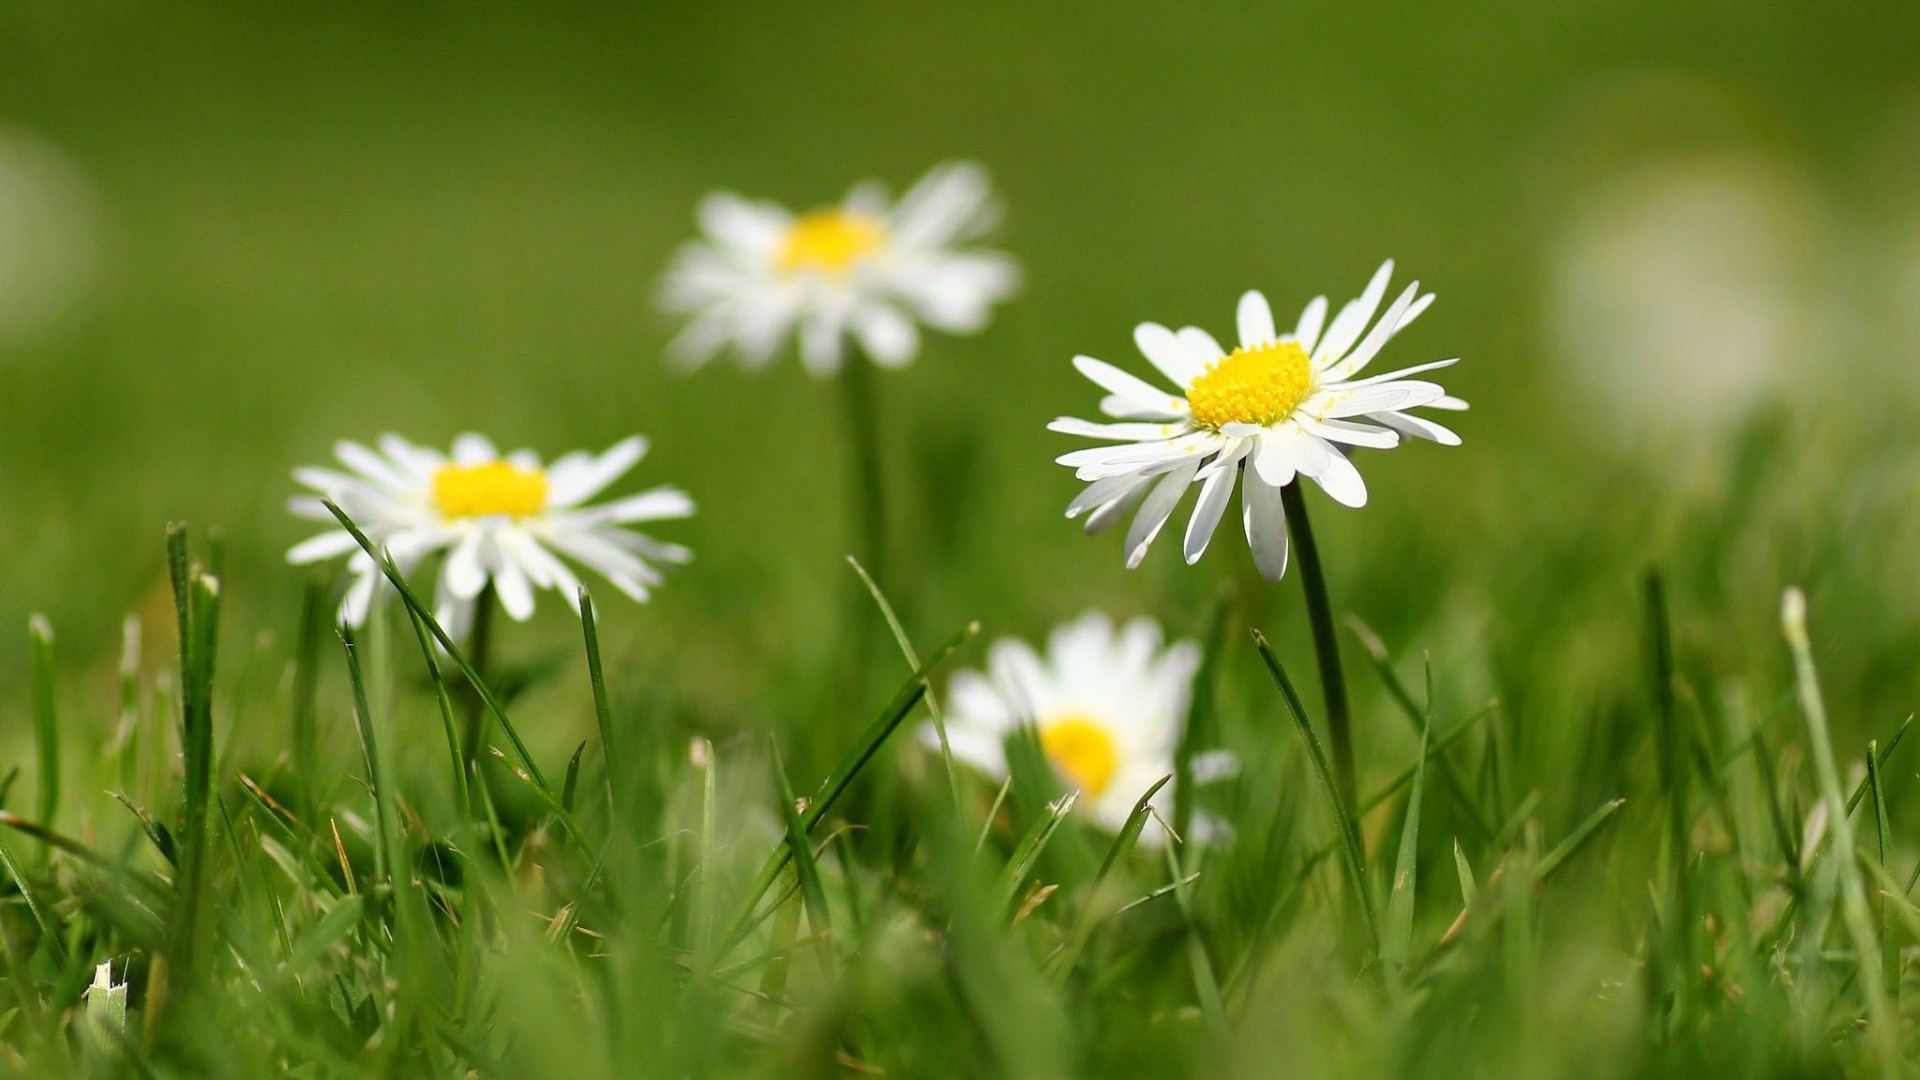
(1108, 705)
(1282, 405)
(866, 269)
(500, 519)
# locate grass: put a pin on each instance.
(281, 892)
(1607, 815)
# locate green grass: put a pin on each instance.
(1610, 817)
(714, 910)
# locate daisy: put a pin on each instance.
(868, 269)
(1107, 704)
(501, 520)
(1279, 406)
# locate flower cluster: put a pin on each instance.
(1106, 704)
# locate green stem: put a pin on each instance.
(1326, 642)
(869, 493)
(479, 650)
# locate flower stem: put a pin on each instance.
(1326, 642)
(479, 642)
(869, 495)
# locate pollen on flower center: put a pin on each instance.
(829, 242)
(1260, 385)
(490, 489)
(1081, 749)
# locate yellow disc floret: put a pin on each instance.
(1081, 749)
(1260, 385)
(829, 242)
(494, 488)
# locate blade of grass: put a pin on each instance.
(463, 796)
(1013, 878)
(306, 687)
(489, 700)
(46, 723)
(197, 606)
(842, 775)
(1889, 957)
(813, 896)
(913, 661)
(1095, 907)
(1465, 872)
(611, 757)
(1576, 839)
(1349, 835)
(1376, 651)
(1200, 708)
(1882, 1027)
(1397, 941)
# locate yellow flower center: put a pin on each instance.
(829, 242)
(1081, 749)
(1260, 385)
(490, 489)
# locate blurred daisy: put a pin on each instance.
(1282, 405)
(868, 270)
(500, 519)
(1107, 704)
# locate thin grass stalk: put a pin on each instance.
(1882, 1024)
(1326, 640)
(867, 484)
(612, 761)
(46, 721)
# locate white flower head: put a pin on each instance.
(501, 519)
(1107, 703)
(869, 269)
(1278, 407)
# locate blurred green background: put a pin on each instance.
(1677, 245)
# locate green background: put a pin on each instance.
(312, 221)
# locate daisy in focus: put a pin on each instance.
(1107, 703)
(1278, 407)
(501, 519)
(867, 271)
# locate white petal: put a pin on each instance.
(371, 465)
(358, 601)
(1312, 318)
(1344, 431)
(1363, 354)
(1340, 401)
(1254, 319)
(1109, 514)
(516, 593)
(656, 504)
(473, 448)
(464, 572)
(1207, 510)
(1265, 517)
(324, 546)
(1135, 390)
(1136, 432)
(1342, 481)
(1273, 459)
(1101, 492)
(1417, 426)
(573, 480)
(1153, 512)
(1354, 316)
(889, 338)
(1391, 376)
(1200, 345)
(1169, 353)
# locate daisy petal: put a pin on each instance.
(1254, 319)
